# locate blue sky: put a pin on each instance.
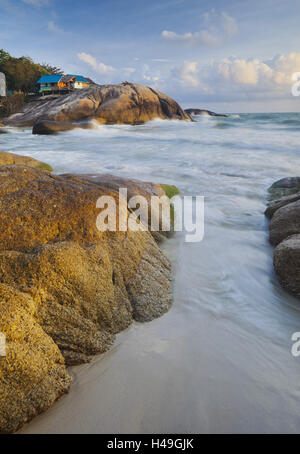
(232, 55)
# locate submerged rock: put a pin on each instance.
(11, 158)
(204, 112)
(125, 103)
(66, 288)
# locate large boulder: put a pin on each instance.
(125, 103)
(287, 264)
(66, 288)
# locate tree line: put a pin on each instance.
(22, 73)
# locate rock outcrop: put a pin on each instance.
(66, 288)
(204, 112)
(284, 214)
(125, 103)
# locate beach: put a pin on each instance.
(220, 360)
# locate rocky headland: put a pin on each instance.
(124, 103)
(284, 214)
(66, 288)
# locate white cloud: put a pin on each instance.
(54, 28)
(216, 30)
(238, 78)
(98, 66)
(189, 73)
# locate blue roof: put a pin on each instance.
(52, 79)
(78, 78)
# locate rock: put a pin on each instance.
(285, 222)
(3, 131)
(203, 112)
(66, 287)
(11, 158)
(284, 187)
(289, 182)
(108, 104)
(33, 373)
(279, 203)
(53, 127)
(136, 187)
(287, 264)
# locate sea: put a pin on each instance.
(220, 360)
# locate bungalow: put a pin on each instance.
(62, 83)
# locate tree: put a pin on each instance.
(22, 73)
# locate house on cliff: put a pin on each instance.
(54, 84)
(2, 85)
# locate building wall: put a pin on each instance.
(2, 85)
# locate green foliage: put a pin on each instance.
(11, 104)
(22, 73)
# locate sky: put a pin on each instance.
(227, 56)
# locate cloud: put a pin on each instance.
(217, 28)
(98, 66)
(189, 73)
(239, 78)
(54, 28)
(229, 25)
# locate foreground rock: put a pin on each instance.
(11, 158)
(66, 288)
(108, 104)
(284, 214)
(204, 112)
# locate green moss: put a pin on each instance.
(171, 191)
(44, 166)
